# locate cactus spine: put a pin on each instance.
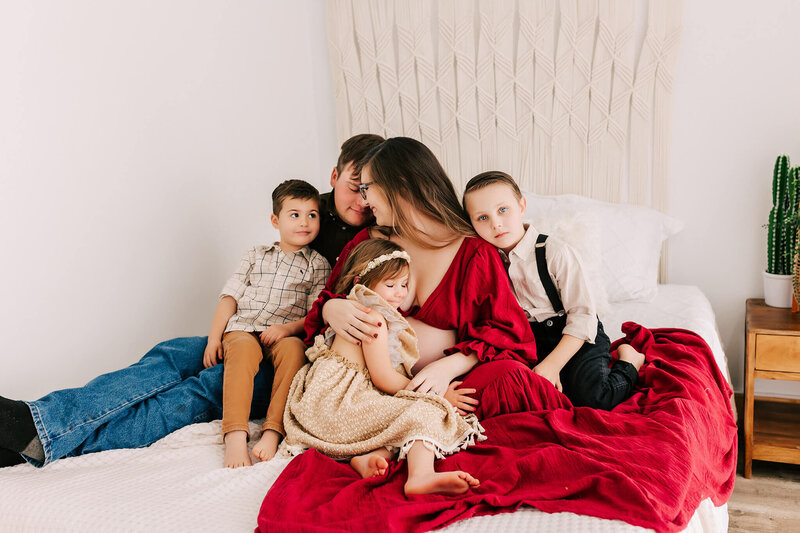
(783, 217)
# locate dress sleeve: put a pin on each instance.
(313, 324)
(491, 323)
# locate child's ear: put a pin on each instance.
(356, 279)
(274, 219)
(523, 204)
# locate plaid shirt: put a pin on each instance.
(273, 287)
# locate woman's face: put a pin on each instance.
(376, 200)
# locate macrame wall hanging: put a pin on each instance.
(553, 92)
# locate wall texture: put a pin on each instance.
(139, 143)
(735, 109)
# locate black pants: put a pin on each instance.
(586, 378)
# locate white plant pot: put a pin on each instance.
(778, 289)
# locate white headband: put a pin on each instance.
(397, 254)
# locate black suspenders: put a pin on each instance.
(544, 276)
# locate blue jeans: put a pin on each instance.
(135, 406)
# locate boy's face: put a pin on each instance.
(350, 206)
(497, 215)
(297, 222)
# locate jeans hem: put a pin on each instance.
(44, 438)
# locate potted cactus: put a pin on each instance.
(782, 242)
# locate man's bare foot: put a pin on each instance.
(370, 464)
(267, 445)
(236, 454)
(627, 353)
(456, 482)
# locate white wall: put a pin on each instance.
(139, 144)
(736, 107)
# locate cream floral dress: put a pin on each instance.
(333, 405)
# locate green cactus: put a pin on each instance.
(783, 217)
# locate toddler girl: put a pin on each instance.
(350, 402)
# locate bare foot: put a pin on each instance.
(267, 445)
(370, 464)
(236, 450)
(456, 482)
(627, 353)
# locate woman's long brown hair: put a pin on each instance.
(405, 168)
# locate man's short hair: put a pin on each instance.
(485, 179)
(302, 190)
(355, 149)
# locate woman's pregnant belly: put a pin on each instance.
(432, 342)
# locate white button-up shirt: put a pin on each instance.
(567, 273)
(274, 287)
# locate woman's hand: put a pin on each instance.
(213, 353)
(351, 320)
(435, 377)
(460, 398)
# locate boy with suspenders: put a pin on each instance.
(548, 280)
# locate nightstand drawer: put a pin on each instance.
(779, 353)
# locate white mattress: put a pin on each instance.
(178, 484)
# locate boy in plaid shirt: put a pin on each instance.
(264, 304)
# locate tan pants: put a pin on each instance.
(242, 355)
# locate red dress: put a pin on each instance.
(475, 299)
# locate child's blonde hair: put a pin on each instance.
(359, 258)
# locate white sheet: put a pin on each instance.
(178, 484)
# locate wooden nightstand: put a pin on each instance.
(771, 425)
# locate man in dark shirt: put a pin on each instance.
(343, 212)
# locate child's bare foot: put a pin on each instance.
(236, 450)
(627, 353)
(267, 445)
(453, 482)
(370, 464)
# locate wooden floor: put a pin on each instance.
(768, 501)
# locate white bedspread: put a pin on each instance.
(178, 484)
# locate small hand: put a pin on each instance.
(213, 353)
(273, 334)
(460, 398)
(435, 377)
(351, 320)
(553, 375)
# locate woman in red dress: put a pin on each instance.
(464, 313)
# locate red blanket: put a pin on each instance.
(649, 462)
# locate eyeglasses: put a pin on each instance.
(362, 188)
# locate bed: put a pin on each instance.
(178, 484)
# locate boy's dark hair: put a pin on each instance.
(484, 179)
(302, 190)
(355, 149)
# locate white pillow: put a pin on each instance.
(620, 244)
